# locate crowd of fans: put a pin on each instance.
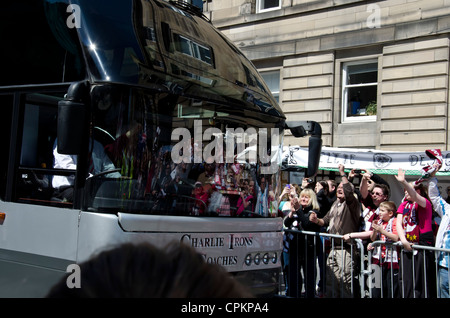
(347, 211)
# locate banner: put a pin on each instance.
(376, 161)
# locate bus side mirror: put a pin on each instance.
(302, 129)
(314, 150)
(72, 120)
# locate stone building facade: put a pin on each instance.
(374, 74)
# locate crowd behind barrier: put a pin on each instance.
(369, 279)
(350, 241)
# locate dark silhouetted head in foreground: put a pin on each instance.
(142, 270)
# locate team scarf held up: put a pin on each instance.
(427, 170)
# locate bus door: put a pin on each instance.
(39, 233)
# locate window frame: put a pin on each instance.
(195, 49)
(275, 94)
(29, 101)
(345, 87)
(260, 3)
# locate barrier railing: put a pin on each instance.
(425, 278)
(332, 251)
(349, 269)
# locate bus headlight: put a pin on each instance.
(248, 259)
(266, 258)
(257, 259)
(275, 258)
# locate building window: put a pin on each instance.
(197, 3)
(268, 5)
(272, 80)
(194, 49)
(359, 90)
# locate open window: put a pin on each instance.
(359, 90)
(33, 184)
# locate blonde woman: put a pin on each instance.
(302, 247)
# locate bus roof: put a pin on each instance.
(163, 46)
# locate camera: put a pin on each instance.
(357, 171)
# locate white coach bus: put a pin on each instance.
(121, 123)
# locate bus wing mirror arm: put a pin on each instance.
(302, 129)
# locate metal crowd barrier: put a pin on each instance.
(429, 274)
(368, 280)
(329, 244)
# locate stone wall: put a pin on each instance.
(310, 39)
